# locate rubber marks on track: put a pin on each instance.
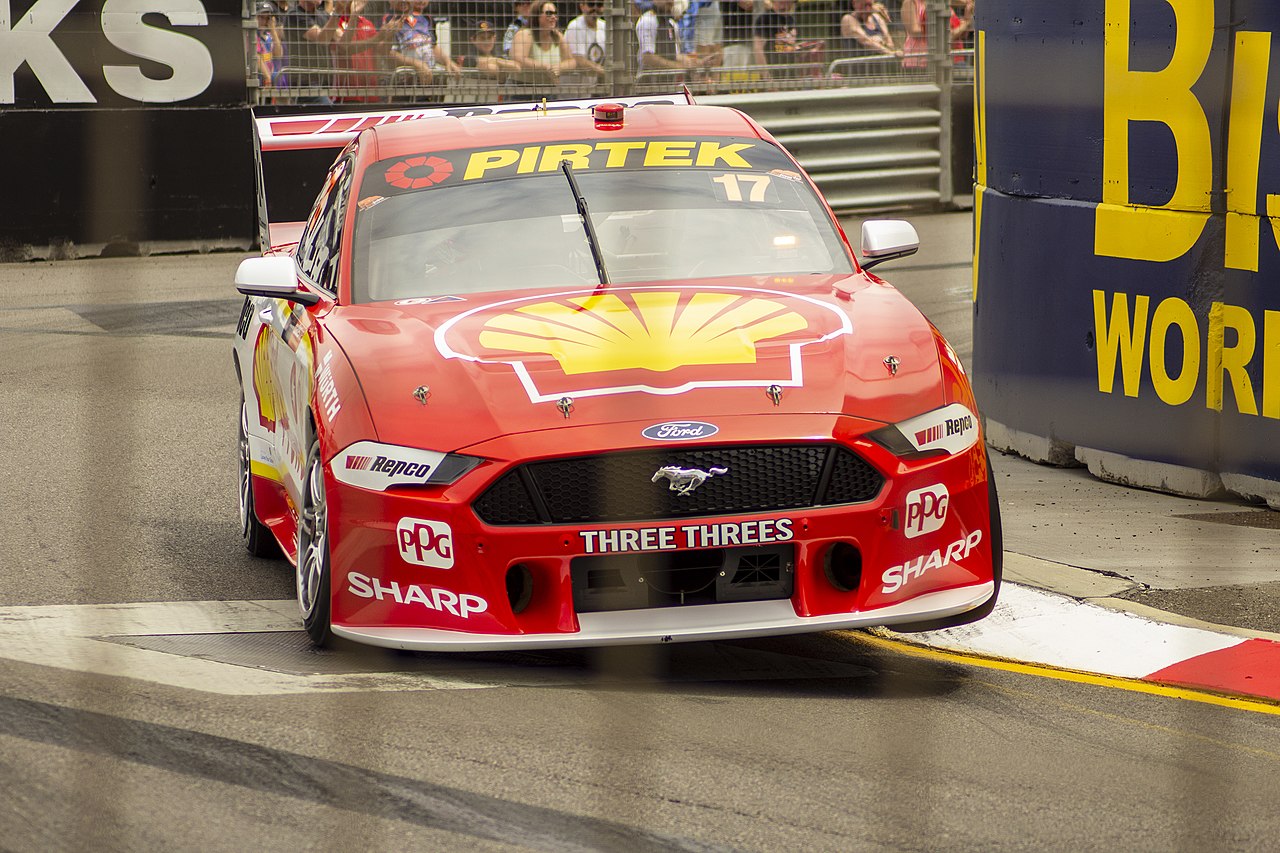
(1034, 626)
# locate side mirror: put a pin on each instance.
(275, 277)
(887, 239)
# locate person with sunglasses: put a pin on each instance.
(588, 38)
(540, 48)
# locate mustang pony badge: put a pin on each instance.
(685, 480)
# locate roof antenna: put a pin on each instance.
(688, 96)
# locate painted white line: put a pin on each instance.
(1035, 626)
(68, 637)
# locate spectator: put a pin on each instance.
(520, 21)
(915, 18)
(659, 39)
(776, 39)
(588, 38)
(540, 49)
(269, 47)
(414, 44)
(961, 25)
(702, 29)
(736, 16)
(864, 31)
(308, 29)
(358, 48)
(478, 53)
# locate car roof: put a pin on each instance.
(650, 120)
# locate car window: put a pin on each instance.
(518, 232)
(319, 248)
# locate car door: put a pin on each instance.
(318, 257)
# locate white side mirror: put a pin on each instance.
(886, 239)
(274, 277)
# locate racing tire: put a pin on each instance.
(257, 536)
(313, 551)
(997, 573)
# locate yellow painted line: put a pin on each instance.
(980, 151)
(1134, 685)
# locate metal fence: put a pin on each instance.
(473, 51)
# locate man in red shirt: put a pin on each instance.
(359, 47)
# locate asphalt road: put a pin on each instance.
(213, 727)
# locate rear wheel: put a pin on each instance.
(257, 537)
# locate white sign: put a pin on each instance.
(29, 40)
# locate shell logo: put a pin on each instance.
(398, 173)
(270, 403)
(657, 331)
(656, 340)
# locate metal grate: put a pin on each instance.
(619, 487)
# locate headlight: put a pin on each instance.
(941, 432)
(371, 465)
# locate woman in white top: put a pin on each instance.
(540, 48)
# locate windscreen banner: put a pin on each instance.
(124, 123)
(1127, 238)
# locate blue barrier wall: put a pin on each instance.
(1127, 273)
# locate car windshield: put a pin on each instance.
(652, 224)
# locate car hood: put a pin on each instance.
(446, 373)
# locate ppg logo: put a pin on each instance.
(926, 510)
(425, 543)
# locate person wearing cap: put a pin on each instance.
(520, 21)
(478, 53)
(269, 47)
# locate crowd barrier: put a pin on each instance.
(1128, 240)
(819, 58)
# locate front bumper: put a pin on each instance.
(448, 586)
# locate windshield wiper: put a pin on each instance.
(590, 227)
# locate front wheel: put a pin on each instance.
(313, 551)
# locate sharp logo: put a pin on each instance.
(431, 597)
(29, 40)
(898, 576)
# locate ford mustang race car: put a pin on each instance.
(594, 373)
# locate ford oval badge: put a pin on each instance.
(680, 431)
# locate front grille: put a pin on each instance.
(618, 487)
(681, 578)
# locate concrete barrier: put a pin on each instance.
(1127, 238)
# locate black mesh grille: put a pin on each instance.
(618, 487)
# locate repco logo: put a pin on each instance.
(425, 543)
(926, 510)
(29, 40)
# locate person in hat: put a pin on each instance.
(269, 47)
(479, 54)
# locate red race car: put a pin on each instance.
(590, 373)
